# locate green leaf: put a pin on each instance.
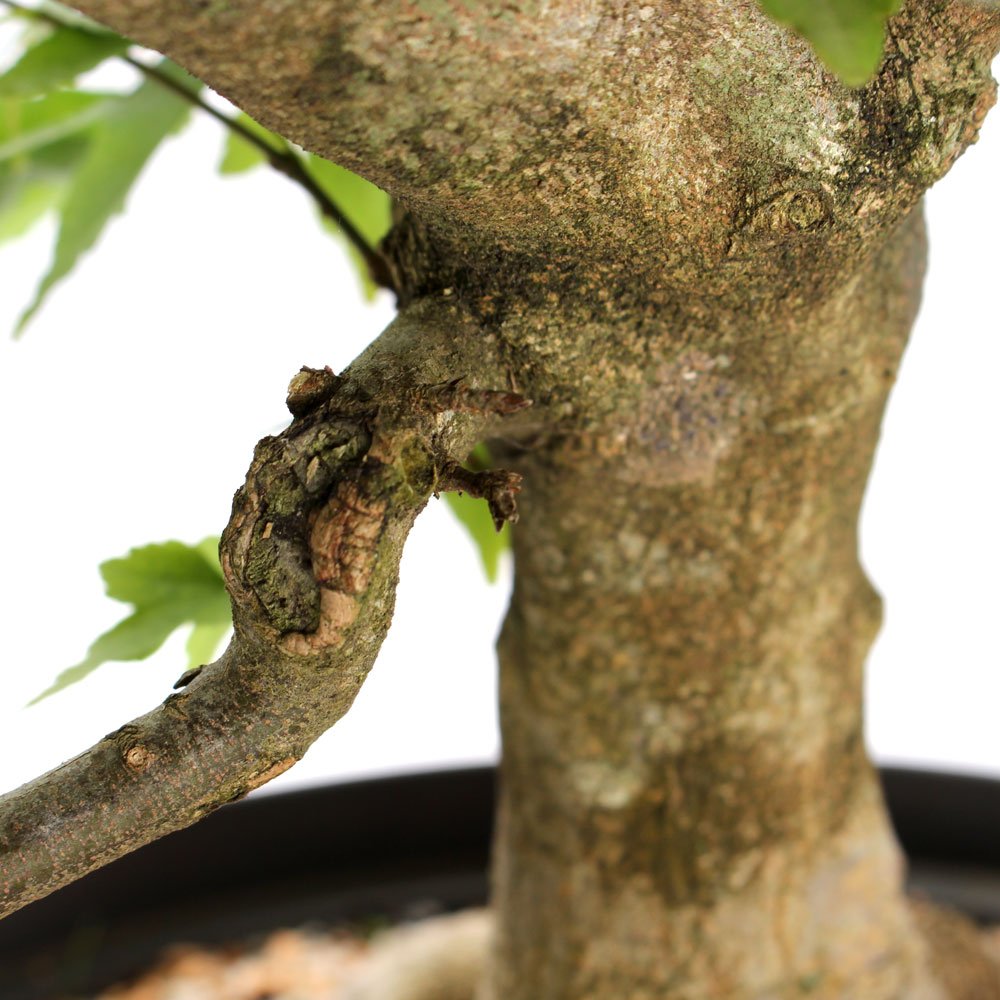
(848, 35)
(475, 517)
(42, 143)
(208, 548)
(27, 126)
(168, 585)
(58, 60)
(35, 185)
(122, 141)
(160, 573)
(368, 208)
(24, 201)
(240, 155)
(203, 643)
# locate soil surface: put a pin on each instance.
(435, 959)
(288, 965)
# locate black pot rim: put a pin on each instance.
(399, 846)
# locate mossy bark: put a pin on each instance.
(699, 255)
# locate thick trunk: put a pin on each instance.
(687, 810)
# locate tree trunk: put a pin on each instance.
(687, 808)
(699, 255)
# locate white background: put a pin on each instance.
(130, 409)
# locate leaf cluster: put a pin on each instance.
(75, 152)
(169, 585)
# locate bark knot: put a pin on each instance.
(302, 547)
(138, 758)
(310, 388)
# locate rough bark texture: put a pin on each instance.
(681, 688)
(311, 558)
(699, 254)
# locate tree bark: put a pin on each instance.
(311, 556)
(681, 676)
(699, 254)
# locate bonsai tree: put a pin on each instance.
(662, 258)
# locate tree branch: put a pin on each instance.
(311, 557)
(285, 159)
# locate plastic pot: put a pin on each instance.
(394, 849)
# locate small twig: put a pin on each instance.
(284, 160)
(498, 487)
